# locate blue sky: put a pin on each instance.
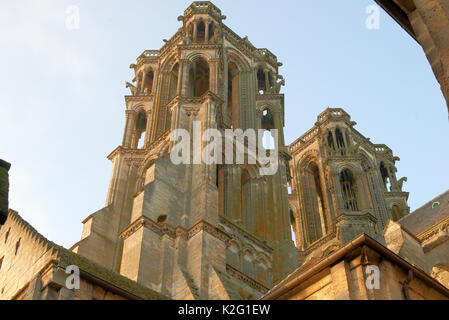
(62, 105)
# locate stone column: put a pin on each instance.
(267, 82)
(213, 76)
(142, 87)
(195, 31)
(129, 128)
(206, 36)
(277, 115)
(149, 114)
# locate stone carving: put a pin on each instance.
(277, 86)
(185, 38)
(216, 38)
(354, 148)
(132, 88)
(401, 182)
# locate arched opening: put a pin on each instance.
(293, 226)
(349, 190)
(396, 213)
(211, 31)
(340, 141)
(201, 32)
(330, 140)
(267, 123)
(174, 74)
(270, 80)
(385, 176)
(199, 78)
(267, 120)
(141, 125)
(233, 94)
(261, 82)
(148, 83)
(315, 209)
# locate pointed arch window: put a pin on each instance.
(314, 209)
(199, 78)
(233, 94)
(148, 83)
(261, 82)
(141, 125)
(201, 32)
(330, 140)
(340, 141)
(349, 190)
(385, 175)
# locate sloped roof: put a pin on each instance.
(427, 215)
(88, 269)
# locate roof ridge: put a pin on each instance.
(428, 202)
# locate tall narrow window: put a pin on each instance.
(340, 141)
(268, 124)
(148, 84)
(174, 81)
(141, 126)
(349, 190)
(313, 197)
(385, 175)
(261, 84)
(201, 32)
(199, 78)
(330, 140)
(233, 94)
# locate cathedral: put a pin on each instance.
(334, 207)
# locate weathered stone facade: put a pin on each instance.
(222, 231)
(345, 273)
(34, 268)
(342, 185)
(197, 230)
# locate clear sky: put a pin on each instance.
(62, 105)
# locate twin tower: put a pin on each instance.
(223, 230)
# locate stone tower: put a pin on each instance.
(342, 185)
(197, 231)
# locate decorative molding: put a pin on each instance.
(245, 279)
(163, 229)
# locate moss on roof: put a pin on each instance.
(65, 257)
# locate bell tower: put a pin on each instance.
(198, 230)
(342, 185)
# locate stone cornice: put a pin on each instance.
(140, 98)
(246, 279)
(254, 240)
(173, 232)
(431, 232)
(129, 153)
